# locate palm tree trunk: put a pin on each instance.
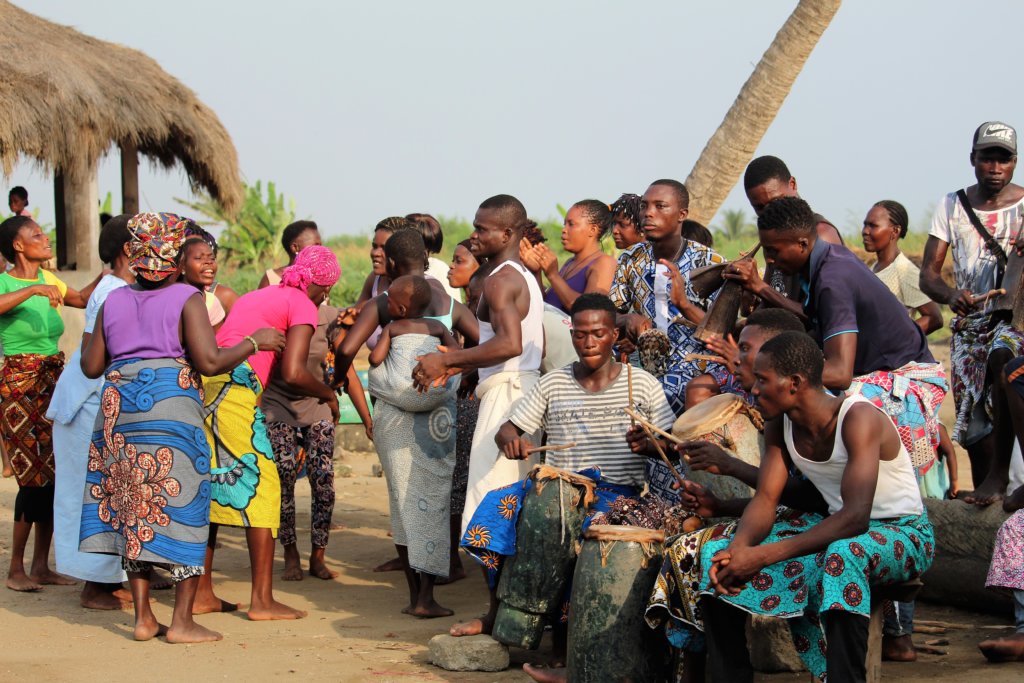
(732, 146)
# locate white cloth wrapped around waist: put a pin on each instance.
(391, 381)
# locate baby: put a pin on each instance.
(408, 299)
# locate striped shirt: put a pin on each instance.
(595, 421)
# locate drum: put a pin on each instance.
(533, 581)
(609, 639)
(725, 420)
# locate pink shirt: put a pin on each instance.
(278, 307)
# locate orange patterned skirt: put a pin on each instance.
(27, 381)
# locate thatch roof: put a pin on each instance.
(65, 96)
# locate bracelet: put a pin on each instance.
(252, 340)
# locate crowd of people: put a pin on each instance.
(188, 407)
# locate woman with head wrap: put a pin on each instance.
(245, 484)
(30, 326)
(73, 409)
(147, 492)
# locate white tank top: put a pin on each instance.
(532, 329)
(896, 494)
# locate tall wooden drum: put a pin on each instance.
(533, 582)
(725, 420)
(609, 639)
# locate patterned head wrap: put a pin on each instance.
(314, 265)
(156, 239)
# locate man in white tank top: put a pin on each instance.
(507, 358)
(816, 571)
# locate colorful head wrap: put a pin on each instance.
(156, 239)
(314, 265)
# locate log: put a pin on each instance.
(964, 536)
(129, 179)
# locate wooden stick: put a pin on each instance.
(981, 298)
(701, 356)
(550, 447)
(923, 628)
(645, 423)
(629, 378)
(943, 624)
(661, 452)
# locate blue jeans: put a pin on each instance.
(901, 621)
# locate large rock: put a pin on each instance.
(964, 535)
(468, 653)
(771, 645)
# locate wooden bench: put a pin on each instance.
(900, 592)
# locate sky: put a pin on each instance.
(361, 110)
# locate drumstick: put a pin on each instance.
(643, 421)
(701, 356)
(981, 298)
(549, 447)
(661, 452)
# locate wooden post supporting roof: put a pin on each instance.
(81, 211)
(129, 179)
(60, 222)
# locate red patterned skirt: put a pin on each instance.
(27, 381)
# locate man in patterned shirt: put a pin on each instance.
(648, 274)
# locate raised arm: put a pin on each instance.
(367, 321)
(745, 272)
(80, 299)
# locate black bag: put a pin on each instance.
(990, 241)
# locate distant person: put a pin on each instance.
(433, 238)
(696, 231)
(626, 230)
(766, 179)
(377, 282)
(296, 237)
(17, 201)
(589, 270)
(982, 344)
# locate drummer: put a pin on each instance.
(581, 403)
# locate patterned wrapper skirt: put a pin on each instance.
(27, 381)
(147, 491)
(245, 485)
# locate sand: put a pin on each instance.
(354, 631)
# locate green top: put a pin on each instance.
(33, 326)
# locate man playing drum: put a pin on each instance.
(583, 404)
(816, 571)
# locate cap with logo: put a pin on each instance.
(995, 134)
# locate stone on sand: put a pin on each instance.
(468, 653)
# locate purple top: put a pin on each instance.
(145, 324)
(578, 284)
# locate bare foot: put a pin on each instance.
(1008, 649)
(546, 674)
(96, 598)
(321, 571)
(394, 565)
(22, 583)
(48, 577)
(1014, 501)
(192, 634)
(292, 572)
(430, 611)
(147, 630)
(991, 490)
(206, 606)
(454, 575)
(473, 627)
(124, 595)
(898, 649)
(274, 611)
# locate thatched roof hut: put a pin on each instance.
(66, 98)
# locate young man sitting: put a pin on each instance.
(818, 573)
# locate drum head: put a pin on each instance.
(707, 416)
(611, 532)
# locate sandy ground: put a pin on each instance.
(354, 631)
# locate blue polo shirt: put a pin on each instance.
(843, 296)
